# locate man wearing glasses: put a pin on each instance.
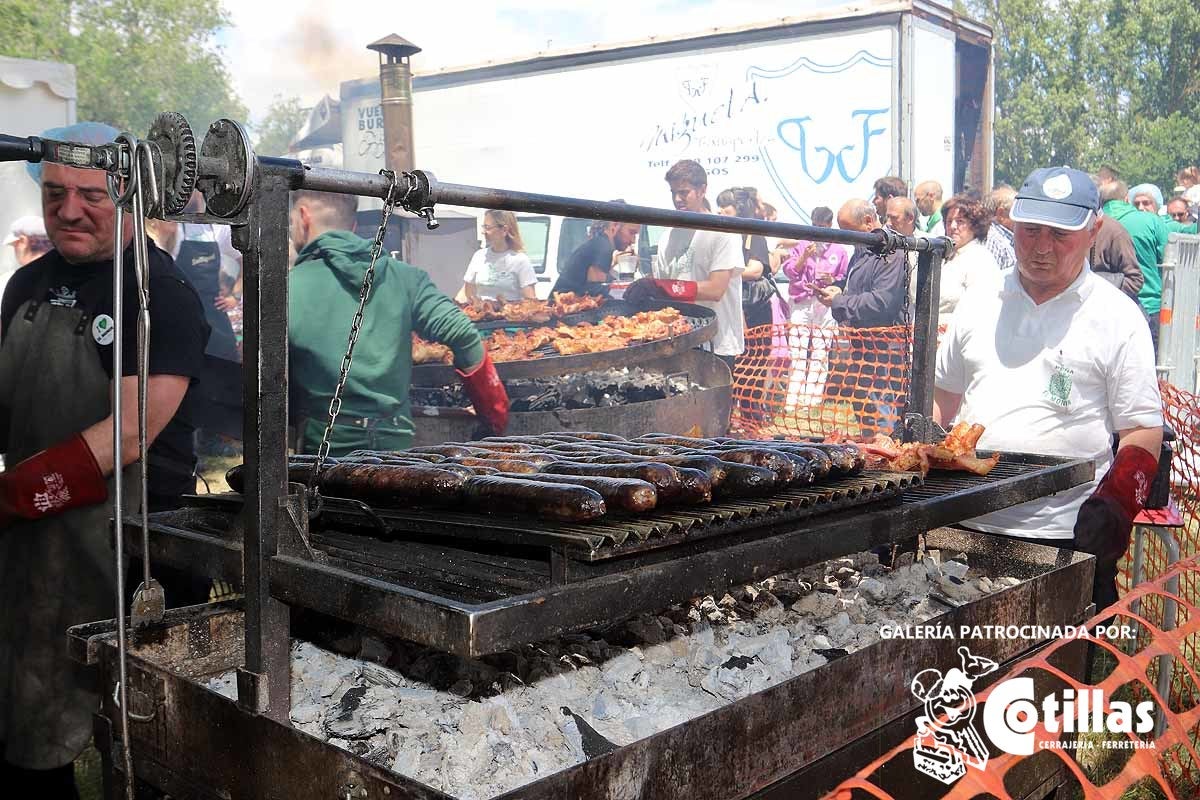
(56, 428)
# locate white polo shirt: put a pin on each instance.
(1057, 378)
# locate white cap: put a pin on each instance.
(26, 226)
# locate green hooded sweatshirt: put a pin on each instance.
(323, 296)
(1149, 234)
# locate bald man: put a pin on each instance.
(928, 195)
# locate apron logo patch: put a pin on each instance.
(103, 329)
(56, 495)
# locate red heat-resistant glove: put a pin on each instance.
(660, 289)
(1105, 519)
(59, 478)
(487, 394)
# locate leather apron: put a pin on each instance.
(58, 571)
(220, 384)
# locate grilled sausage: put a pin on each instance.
(710, 465)
(846, 456)
(500, 447)
(620, 494)
(298, 472)
(558, 501)
(842, 459)
(598, 436)
(678, 441)
(778, 463)
(444, 450)
(695, 487)
(541, 440)
(501, 464)
(665, 479)
(744, 480)
(637, 448)
(392, 484)
(586, 448)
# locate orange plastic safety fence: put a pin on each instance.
(1171, 767)
(800, 380)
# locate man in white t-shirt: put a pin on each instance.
(1056, 362)
(703, 267)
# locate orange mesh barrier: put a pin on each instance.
(1170, 770)
(800, 380)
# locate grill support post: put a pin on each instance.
(918, 418)
(264, 684)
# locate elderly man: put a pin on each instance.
(1057, 362)
(56, 427)
(902, 215)
(928, 195)
(323, 296)
(1179, 210)
(999, 240)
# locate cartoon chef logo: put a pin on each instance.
(103, 329)
(947, 740)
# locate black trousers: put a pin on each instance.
(45, 784)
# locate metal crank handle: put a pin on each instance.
(35, 149)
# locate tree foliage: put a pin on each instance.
(283, 118)
(133, 58)
(1095, 82)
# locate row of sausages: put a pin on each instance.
(574, 476)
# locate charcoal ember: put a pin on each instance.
(598, 389)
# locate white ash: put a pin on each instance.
(476, 729)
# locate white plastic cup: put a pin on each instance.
(626, 267)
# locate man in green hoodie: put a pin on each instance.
(1149, 233)
(323, 295)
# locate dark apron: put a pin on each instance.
(220, 385)
(58, 571)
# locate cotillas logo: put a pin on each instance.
(946, 737)
(947, 741)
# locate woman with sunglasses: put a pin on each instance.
(499, 270)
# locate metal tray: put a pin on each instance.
(702, 319)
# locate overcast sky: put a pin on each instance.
(305, 48)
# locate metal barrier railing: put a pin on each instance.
(1179, 331)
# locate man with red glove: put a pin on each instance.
(56, 431)
(703, 267)
(1057, 361)
(323, 294)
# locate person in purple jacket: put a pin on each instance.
(810, 267)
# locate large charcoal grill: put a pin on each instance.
(473, 584)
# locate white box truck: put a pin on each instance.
(810, 110)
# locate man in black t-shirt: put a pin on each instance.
(591, 262)
(56, 431)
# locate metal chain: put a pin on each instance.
(335, 405)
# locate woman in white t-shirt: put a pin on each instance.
(500, 270)
(967, 223)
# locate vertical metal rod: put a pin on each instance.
(141, 266)
(1166, 663)
(925, 332)
(118, 489)
(264, 685)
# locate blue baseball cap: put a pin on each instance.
(1060, 197)
(80, 132)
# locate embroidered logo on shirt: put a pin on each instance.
(1058, 391)
(62, 296)
(103, 329)
(56, 495)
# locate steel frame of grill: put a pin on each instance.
(261, 234)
